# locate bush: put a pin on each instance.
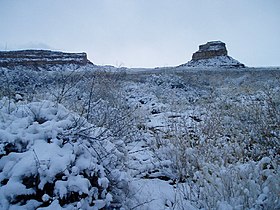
(45, 163)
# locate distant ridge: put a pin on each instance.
(41, 58)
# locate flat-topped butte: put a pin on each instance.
(213, 54)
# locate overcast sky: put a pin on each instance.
(144, 33)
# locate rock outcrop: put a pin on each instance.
(210, 50)
(213, 54)
(41, 58)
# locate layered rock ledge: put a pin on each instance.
(210, 50)
(40, 58)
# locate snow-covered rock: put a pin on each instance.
(212, 54)
(217, 61)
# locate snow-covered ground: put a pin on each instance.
(144, 139)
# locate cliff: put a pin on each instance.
(41, 58)
(210, 50)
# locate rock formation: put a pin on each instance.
(210, 50)
(41, 58)
(213, 54)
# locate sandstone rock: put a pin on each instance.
(210, 50)
(40, 58)
(213, 54)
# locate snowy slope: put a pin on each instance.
(219, 61)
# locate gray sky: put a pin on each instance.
(144, 33)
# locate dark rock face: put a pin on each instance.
(41, 57)
(210, 50)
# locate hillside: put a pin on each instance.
(91, 137)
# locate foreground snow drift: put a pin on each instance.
(44, 164)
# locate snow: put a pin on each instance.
(157, 194)
(224, 206)
(152, 194)
(219, 61)
(159, 139)
(54, 205)
(40, 153)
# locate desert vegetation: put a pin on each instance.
(164, 139)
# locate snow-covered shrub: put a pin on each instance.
(23, 81)
(103, 113)
(206, 139)
(254, 185)
(65, 85)
(215, 147)
(47, 162)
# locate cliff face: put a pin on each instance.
(210, 50)
(213, 54)
(41, 57)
